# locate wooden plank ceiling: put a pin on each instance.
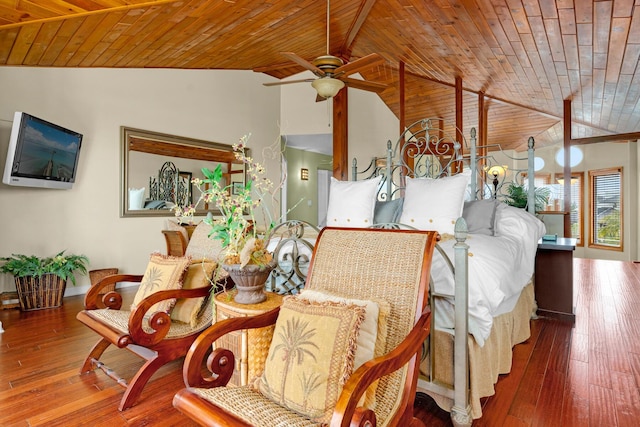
(525, 56)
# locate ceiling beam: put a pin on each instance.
(361, 17)
(511, 103)
(107, 9)
(631, 136)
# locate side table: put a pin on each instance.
(249, 346)
(554, 278)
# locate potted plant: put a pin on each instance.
(517, 196)
(40, 282)
(245, 256)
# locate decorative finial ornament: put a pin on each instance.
(460, 230)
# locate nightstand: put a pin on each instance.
(249, 346)
(554, 278)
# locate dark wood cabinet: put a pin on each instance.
(554, 279)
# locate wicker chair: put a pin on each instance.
(388, 265)
(176, 243)
(157, 340)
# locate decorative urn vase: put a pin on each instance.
(249, 281)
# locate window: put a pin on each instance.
(543, 191)
(605, 195)
(575, 214)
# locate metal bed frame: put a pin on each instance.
(426, 149)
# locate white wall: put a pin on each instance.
(371, 122)
(601, 156)
(216, 106)
(371, 125)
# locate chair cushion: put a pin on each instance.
(311, 355)
(163, 273)
(119, 321)
(201, 245)
(351, 203)
(252, 407)
(199, 274)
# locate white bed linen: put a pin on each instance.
(499, 268)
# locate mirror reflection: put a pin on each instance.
(157, 170)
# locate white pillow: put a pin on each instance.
(136, 198)
(351, 203)
(434, 204)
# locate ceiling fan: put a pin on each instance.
(332, 73)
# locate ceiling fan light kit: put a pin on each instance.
(332, 72)
(327, 87)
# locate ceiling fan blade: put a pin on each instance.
(286, 82)
(364, 85)
(368, 61)
(303, 62)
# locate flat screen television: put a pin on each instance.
(41, 154)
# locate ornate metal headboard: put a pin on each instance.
(429, 148)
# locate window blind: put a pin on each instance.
(606, 209)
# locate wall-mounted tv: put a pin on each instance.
(41, 154)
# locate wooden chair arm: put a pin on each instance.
(220, 362)
(346, 412)
(159, 321)
(113, 300)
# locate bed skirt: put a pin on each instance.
(485, 363)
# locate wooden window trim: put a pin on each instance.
(600, 172)
(580, 177)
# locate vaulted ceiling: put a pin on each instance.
(524, 56)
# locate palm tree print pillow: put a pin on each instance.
(163, 272)
(311, 356)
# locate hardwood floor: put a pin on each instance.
(586, 375)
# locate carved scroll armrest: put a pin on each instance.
(220, 362)
(159, 322)
(113, 300)
(347, 412)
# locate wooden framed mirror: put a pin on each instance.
(156, 171)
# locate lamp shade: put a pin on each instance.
(327, 87)
(496, 170)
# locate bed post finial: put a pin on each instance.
(531, 197)
(460, 230)
(354, 169)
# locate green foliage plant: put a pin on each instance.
(243, 243)
(517, 196)
(63, 266)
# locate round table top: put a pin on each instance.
(225, 299)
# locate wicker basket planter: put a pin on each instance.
(96, 275)
(37, 293)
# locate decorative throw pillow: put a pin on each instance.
(311, 356)
(480, 216)
(373, 331)
(351, 203)
(136, 198)
(388, 211)
(198, 275)
(163, 273)
(434, 204)
(201, 245)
